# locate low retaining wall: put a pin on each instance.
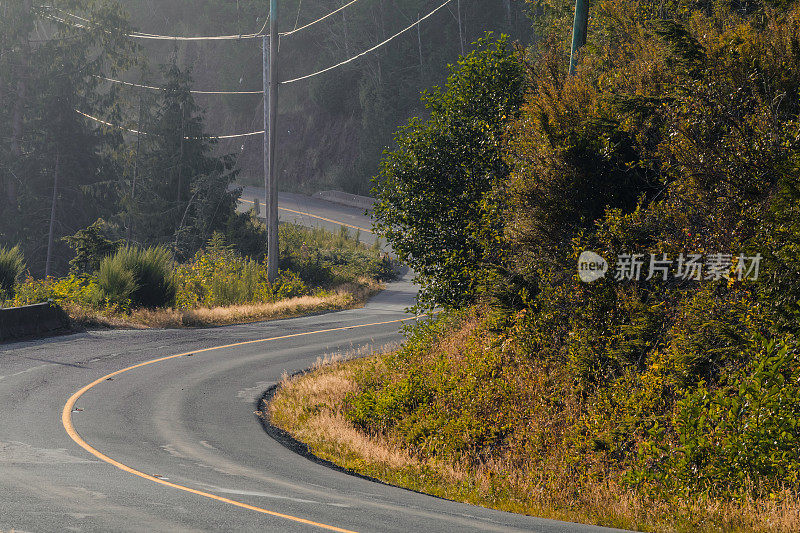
(344, 198)
(32, 321)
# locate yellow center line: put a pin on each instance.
(66, 420)
(313, 216)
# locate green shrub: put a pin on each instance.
(326, 259)
(289, 285)
(150, 271)
(741, 435)
(220, 276)
(12, 265)
(80, 290)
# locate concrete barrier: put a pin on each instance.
(344, 198)
(32, 321)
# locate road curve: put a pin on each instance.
(154, 430)
(313, 212)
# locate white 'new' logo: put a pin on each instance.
(591, 267)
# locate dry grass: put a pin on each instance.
(311, 408)
(347, 296)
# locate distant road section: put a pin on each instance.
(312, 212)
(344, 198)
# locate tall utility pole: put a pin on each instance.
(579, 28)
(270, 77)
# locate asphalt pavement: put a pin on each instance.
(154, 430)
(313, 212)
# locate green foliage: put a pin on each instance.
(677, 135)
(736, 438)
(91, 245)
(12, 266)
(324, 259)
(116, 283)
(434, 203)
(446, 399)
(219, 276)
(70, 290)
(140, 277)
(674, 152)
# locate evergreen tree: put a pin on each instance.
(183, 195)
(55, 157)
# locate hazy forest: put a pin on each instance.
(58, 167)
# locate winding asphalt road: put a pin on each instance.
(155, 430)
(313, 212)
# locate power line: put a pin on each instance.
(117, 126)
(151, 87)
(109, 124)
(367, 51)
(152, 36)
(301, 28)
(158, 37)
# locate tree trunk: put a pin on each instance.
(344, 26)
(180, 158)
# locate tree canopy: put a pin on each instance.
(437, 205)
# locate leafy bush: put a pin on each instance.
(435, 192)
(675, 137)
(140, 277)
(12, 265)
(79, 290)
(116, 284)
(220, 276)
(289, 285)
(739, 436)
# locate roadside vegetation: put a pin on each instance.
(665, 402)
(146, 287)
(60, 171)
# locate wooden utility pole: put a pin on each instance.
(579, 29)
(270, 78)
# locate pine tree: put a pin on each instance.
(184, 194)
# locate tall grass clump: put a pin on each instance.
(115, 282)
(329, 259)
(12, 265)
(138, 277)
